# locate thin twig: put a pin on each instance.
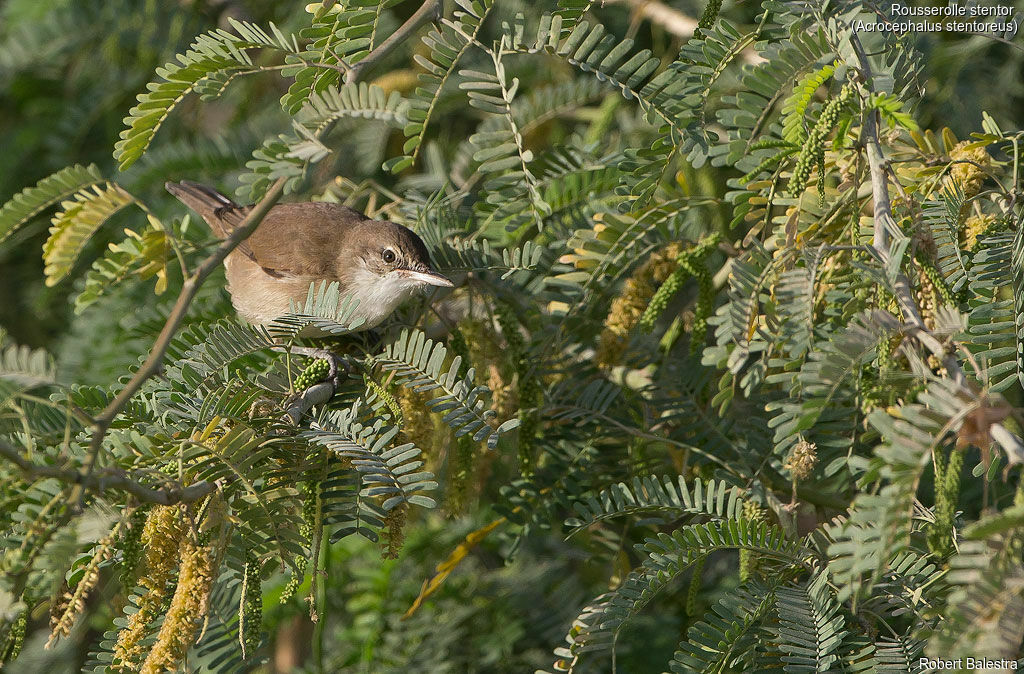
(428, 11)
(110, 479)
(153, 362)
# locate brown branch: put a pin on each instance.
(428, 11)
(884, 224)
(110, 479)
(151, 366)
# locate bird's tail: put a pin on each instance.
(207, 202)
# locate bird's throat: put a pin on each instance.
(378, 295)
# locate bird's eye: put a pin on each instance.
(388, 255)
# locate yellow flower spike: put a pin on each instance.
(161, 540)
(188, 608)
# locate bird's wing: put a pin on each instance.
(301, 239)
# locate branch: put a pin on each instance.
(110, 479)
(153, 362)
(428, 11)
(885, 223)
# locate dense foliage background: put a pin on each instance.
(730, 379)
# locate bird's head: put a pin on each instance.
(381, 260)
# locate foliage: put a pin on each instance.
(730, 379)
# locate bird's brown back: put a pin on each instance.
(302, 239)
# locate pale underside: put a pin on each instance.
(259, 297)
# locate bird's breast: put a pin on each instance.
(259, 297)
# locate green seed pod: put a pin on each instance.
(15, 638)
(250, 610)
(308, 529)
(464, 457)
(130, 545)
(755, 515)
(462, 469)
(813, 153)
(689, 264)
(947, 497)
(394, 534)
(703, 309)
(458, 346)
(510, 330)
(707, 245)
(388, 399)
(531, 397)
(767, 164)
(707, 19)
(530, 394)
(695, 580)
(668, 290)
(933, 274)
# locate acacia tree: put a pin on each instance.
(740, 321)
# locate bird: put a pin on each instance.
(379, 263)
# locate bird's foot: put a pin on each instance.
(335, 365)
(314, 386)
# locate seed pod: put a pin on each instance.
(703, 309)
(250, 609)
(462, 468)
(418, 423)
(15, 638)
(707, 19)
(947, 497)
(311, 507)
(925, 297)
(755, 515)
(130, 545)
(395, 532)
(695, 580)
(934, 278)
(813, 152)
(629, 306)
(63, 613)
(389, 400)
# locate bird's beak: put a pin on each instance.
(429, 277)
